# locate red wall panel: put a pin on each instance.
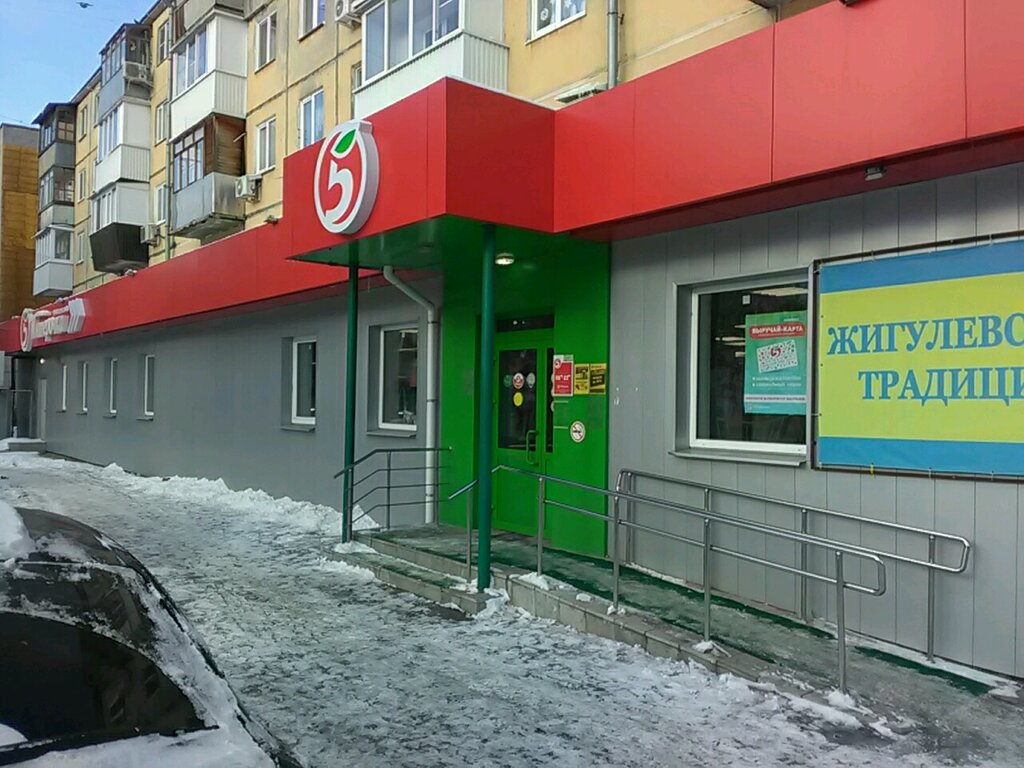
(703, 126)
(995, 66)
(860, 82)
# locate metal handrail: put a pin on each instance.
(628, 477)
(469, 522)
(840, 549)
(377, 451)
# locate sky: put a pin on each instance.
(49, 48)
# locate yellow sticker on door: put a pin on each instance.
(517, 399)
(581, 379)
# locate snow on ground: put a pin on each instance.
(354, 673)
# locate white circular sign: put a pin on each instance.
(578, 432)
(346, 177)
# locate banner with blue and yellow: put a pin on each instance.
(921, 362)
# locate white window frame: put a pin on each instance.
(83, 121)
(265, 41)
(693, 331)
(112, 386)
(556, 24)
(159, 203)
(295, 418)
(147, 406)
(191, 74)
(266, 144)
(63, 387)
(312, 113)
(83, 183)
(381, 424)
(388, 66)
(163, 41)
(84, 369)
(160, 123)
(81, 245)
(305, 27)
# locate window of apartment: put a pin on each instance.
(266, 40)
(83, 121)
(548, 14)
(355, 80)
(266, 135)
(189, 158)
(63, 387)
(81, 185)
(395, 30)
(747, 385)
(397, 383)
(163, 41)
(83, 377)
(82, 247)
(45, 189)
(110, 134)
(104, 209)
(311, 119)
(57, 185)
(311, 15)
(62, 244)
(304, 381)
(160, 123)
(112, 386)
(190, 62)
(113, 58)
(148, 385)
(160, 204)
(65, 125)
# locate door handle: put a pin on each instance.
(531, 447)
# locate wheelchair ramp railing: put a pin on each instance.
(951, 558)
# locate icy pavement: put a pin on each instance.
(353, 673)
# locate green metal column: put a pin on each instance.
(351, 365)
(485, 426)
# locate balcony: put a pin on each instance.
(53, 278)
(208, 209)
(60, 153)
(218, 92)
(118, 247)
(134, 80)
(463, 55)
(123, 162)
(56, 213)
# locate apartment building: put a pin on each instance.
(54, 273)
(19, 189)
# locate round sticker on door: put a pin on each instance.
(518, 380)
(531, 379)
(577, 432)
(507, 381)
(517, 399)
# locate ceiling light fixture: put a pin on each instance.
(504, 259)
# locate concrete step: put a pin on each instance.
(433, 562)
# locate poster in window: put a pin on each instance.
(775, 363)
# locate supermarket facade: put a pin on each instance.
(787, 266)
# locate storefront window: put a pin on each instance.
(748, 374)
(304, 381)
(398, 368)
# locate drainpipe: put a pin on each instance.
(613, 43)
(430, 480)
(168, 146)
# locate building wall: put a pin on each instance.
(85, 277)
(222, 388)
(980, 614)
(19, 196)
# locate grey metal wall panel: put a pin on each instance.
(979, 615)
(218, 397)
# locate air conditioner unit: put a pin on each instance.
(247, 187)
(344, 13)
(150, 233)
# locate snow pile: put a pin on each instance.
(539, 581)
(9, 736)
(313, 518)
(14, 537)
(354, 548)
(346, 569)
(823, 712)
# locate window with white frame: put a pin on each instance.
(113, 58)
(189, 158)
(83, 378)
(396, 408)
(266, 40)
(110, 134)
(62, 244)
(160, 123)
(63, 386)
(112, 386)
(57, 185)
(311, 119)
(163, 41)
(190, 62)
(83, 121)
(81, 248)
(396, 30)
(311, 15)
(304, 381)
(266, 136)
(149, 385)
(160, 204)
(81, 185)
(747, 384)
(104, 209)
(545, 15)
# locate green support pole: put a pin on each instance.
(351, 364)
(485, 427)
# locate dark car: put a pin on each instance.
(99, 668)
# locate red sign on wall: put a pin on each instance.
(561, 379)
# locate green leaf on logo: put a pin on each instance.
(345, 142)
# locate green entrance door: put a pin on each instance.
(523, 425)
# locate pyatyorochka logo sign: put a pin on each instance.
(47, 323)
(346, 178)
